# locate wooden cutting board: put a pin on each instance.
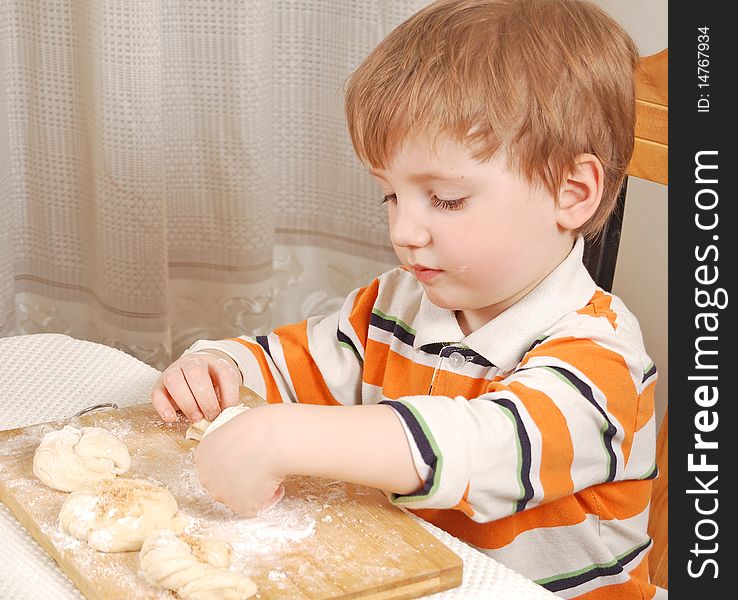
(326, 539)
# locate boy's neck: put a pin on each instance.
(471, 320)
(464, 324)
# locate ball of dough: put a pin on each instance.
(72, 459)
(203, 427)
(195, 430)
(195, 567)
(226, 415)
(116, 515)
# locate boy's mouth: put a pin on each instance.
(423, 273)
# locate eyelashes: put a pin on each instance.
(435, 200)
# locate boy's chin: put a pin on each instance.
(449, 300)
(441, 298)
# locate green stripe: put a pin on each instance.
(560, 376)
(411, 499)
(405, 326)
(648, 473)
(603, 429)
(350, 347)
(591, 567)
(519, 469)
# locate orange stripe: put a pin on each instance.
(608, 371)
(557, 454)
(361, 312)
(396, 375)
(272, 392)
(401, 376)
(452, 384)
(599, 306)
(646, 406)
(499, 533)
(308, 382)
(618, 499)
(640, 575)
(375, 360)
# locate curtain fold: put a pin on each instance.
(173, 170)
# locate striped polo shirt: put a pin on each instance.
(534, 435)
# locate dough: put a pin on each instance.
(116, 515)
(196, 568)
(72, 459)
(203, 427)
(195, 431)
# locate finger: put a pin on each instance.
(196, 373)
(278, 495)
(228, 380)
(257, 508)
(176, 385)
(163, 403)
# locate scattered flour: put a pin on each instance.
(275, 546)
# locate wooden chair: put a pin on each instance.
(649, 162)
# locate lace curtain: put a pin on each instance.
(173, 170)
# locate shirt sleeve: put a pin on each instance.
(574, 413)
(316, 361)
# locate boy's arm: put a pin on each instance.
(316, 361)
(575, 413)
(243, 463)
(360, 444)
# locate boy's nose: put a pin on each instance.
(406, 227)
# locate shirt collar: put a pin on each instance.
(505, 339)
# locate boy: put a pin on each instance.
(487, 384)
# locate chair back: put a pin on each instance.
(649, 162)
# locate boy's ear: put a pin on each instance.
(581, 192)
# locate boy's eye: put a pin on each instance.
(437, 202)
(447, 204)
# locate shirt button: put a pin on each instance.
(457, 360)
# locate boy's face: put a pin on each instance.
(477, 236)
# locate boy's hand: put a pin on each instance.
(199, 384)
(237, 462)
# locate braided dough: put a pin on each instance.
(116, 515)
(196, 568)
(72, 459)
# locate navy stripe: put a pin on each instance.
(342, 337)
(395, 329)
(469, 354)
(426, 451)
(595, 572)
(653, 474)
(473, 357)
(650, 373)
(586, 391)
(478, 359)
(525, 450)
(536, 343)
(263, 341)
(440, 349)
(434, 348)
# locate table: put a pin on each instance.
(48, 376)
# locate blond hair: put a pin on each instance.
(543, 80)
